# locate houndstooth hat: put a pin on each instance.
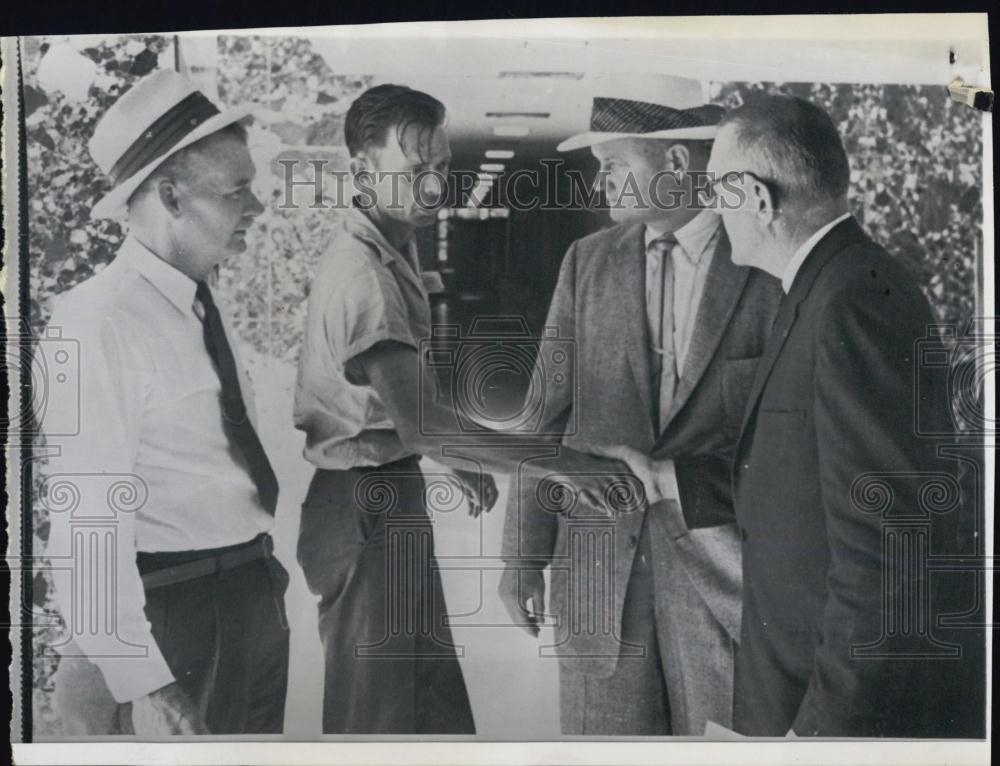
(683, 115)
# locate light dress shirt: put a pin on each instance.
(365, 291)
(803, 252)
(150, 465)
(692, 257)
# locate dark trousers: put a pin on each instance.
(770, 688)
(225, 638)
(934, 697)
(366, 547)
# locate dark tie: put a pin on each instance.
(237, 425)
(665, 356)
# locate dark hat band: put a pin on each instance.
(164, 134)
(619, 115)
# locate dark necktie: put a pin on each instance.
(665, 356)
(237, 425)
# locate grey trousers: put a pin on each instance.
(685, 675)
(633, 700)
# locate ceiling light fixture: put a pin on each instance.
(499, 154)
(492, 167)
(511, 131)
(521, 115)
(518, 75)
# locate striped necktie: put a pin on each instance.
(664, 366)
(235, 422)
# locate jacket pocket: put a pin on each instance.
(737, 380)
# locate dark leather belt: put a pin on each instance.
(261, 547)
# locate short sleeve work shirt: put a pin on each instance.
(365, 291)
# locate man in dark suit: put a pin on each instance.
(667, 333)
(838, 500)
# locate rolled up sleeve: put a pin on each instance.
(366, 307)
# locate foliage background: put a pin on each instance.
(915, 158)
(916, 181)
(916, 178)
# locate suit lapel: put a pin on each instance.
(630, 259)
(723, 285)
(837, 239)
(788, 312)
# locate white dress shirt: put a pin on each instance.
(151, 465)
(803, 252)
(692, 258)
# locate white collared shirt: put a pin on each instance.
(803, 252)
(692, 258)
(150, 422)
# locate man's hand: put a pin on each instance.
(166, 712)
(479, 488)
(657, 476)
(519, 586)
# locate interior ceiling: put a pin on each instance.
(480, 77)
(544, 86)
(494, 71)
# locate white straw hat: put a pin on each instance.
(156, 118)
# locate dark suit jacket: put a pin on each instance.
(599, 303)
(833, 490)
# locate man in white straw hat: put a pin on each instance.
(647, 620)
(182, 606)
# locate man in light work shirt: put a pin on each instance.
(365, 542)
(175, 595)
(364, 517)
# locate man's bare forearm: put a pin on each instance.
(508, 453)
(428, 427)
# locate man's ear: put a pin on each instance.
(168, 196)
(678, 159)
(763, 201)
(358, 165)
(599, 185)
(362, 168)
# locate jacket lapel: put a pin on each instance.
(723, 285)
(788, 312)
(836, 240)
(630, 259)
